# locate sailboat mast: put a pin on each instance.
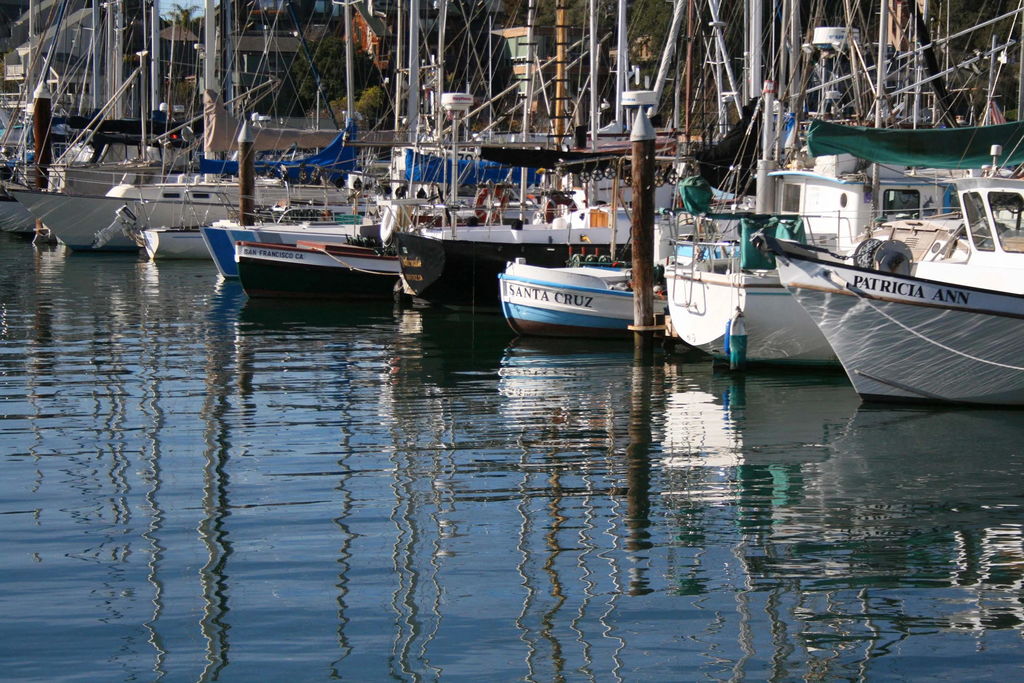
(349, 59)
(621, 64)
(594, 121)
(154, 57)
(94, 86)
(561, 52)
(755, 32)
(413, 104)
(209, 63)
(883, 32)
(399, 60)
(439, 73)
(209, 48)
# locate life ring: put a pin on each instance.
(482, 196)
(490, 202)
(548, 210)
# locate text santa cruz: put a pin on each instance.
(943, 294)
(565, 298)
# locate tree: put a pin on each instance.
(184, 16)
(329, 57)
(372, 104)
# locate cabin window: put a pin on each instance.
(172, 195)
(790, 198)
(201, 195)
(901, 203)
(974, 208)
(1007, 213)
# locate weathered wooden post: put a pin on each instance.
(41, 119)
(246, 176)
(642, 231)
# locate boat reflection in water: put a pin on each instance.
(198, 487)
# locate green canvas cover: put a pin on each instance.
(785, 228)
(696, 194)
(931, 147)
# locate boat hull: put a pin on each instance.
(566, 302)
(464, 273)
(14, 217)
(701, 305)
(902, 338)
(165, 244)
(321, 272)
(220, 239)
(76, 220)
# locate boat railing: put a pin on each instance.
(831, 229)
(715, 256)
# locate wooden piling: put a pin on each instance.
(41, 120)
(642, 233)
(246, 176)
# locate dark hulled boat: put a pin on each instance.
(460, 268)
(315, 270)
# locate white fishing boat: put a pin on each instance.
(712, 281)
(932, 312)
(581, 301)
(711, 285)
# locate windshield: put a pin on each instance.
(976, 218)
(1007, 212)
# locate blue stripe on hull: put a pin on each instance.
(222, 247)
(582, 321)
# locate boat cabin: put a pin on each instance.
(835, 200)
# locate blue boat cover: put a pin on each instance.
(332, 162)
(425, 168)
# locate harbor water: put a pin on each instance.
(199, 487)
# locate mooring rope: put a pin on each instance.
(349, 265)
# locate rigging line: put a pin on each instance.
(866, 298)
(325, 252)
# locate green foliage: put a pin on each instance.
(184, 16)
(329, 57)
(372, 104)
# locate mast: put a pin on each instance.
(755, 31)
(349, 59)
(561, 52)
(669, 51)
(883, 32)
(595, 123)
(413, 104)
(154, 57)
(95, 89)
(399, 60)
(209, 61)
(209, 48)
(531, 55)
(439, 73)
(227, 39)
(621, 64)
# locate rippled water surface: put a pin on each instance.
(199, 487)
